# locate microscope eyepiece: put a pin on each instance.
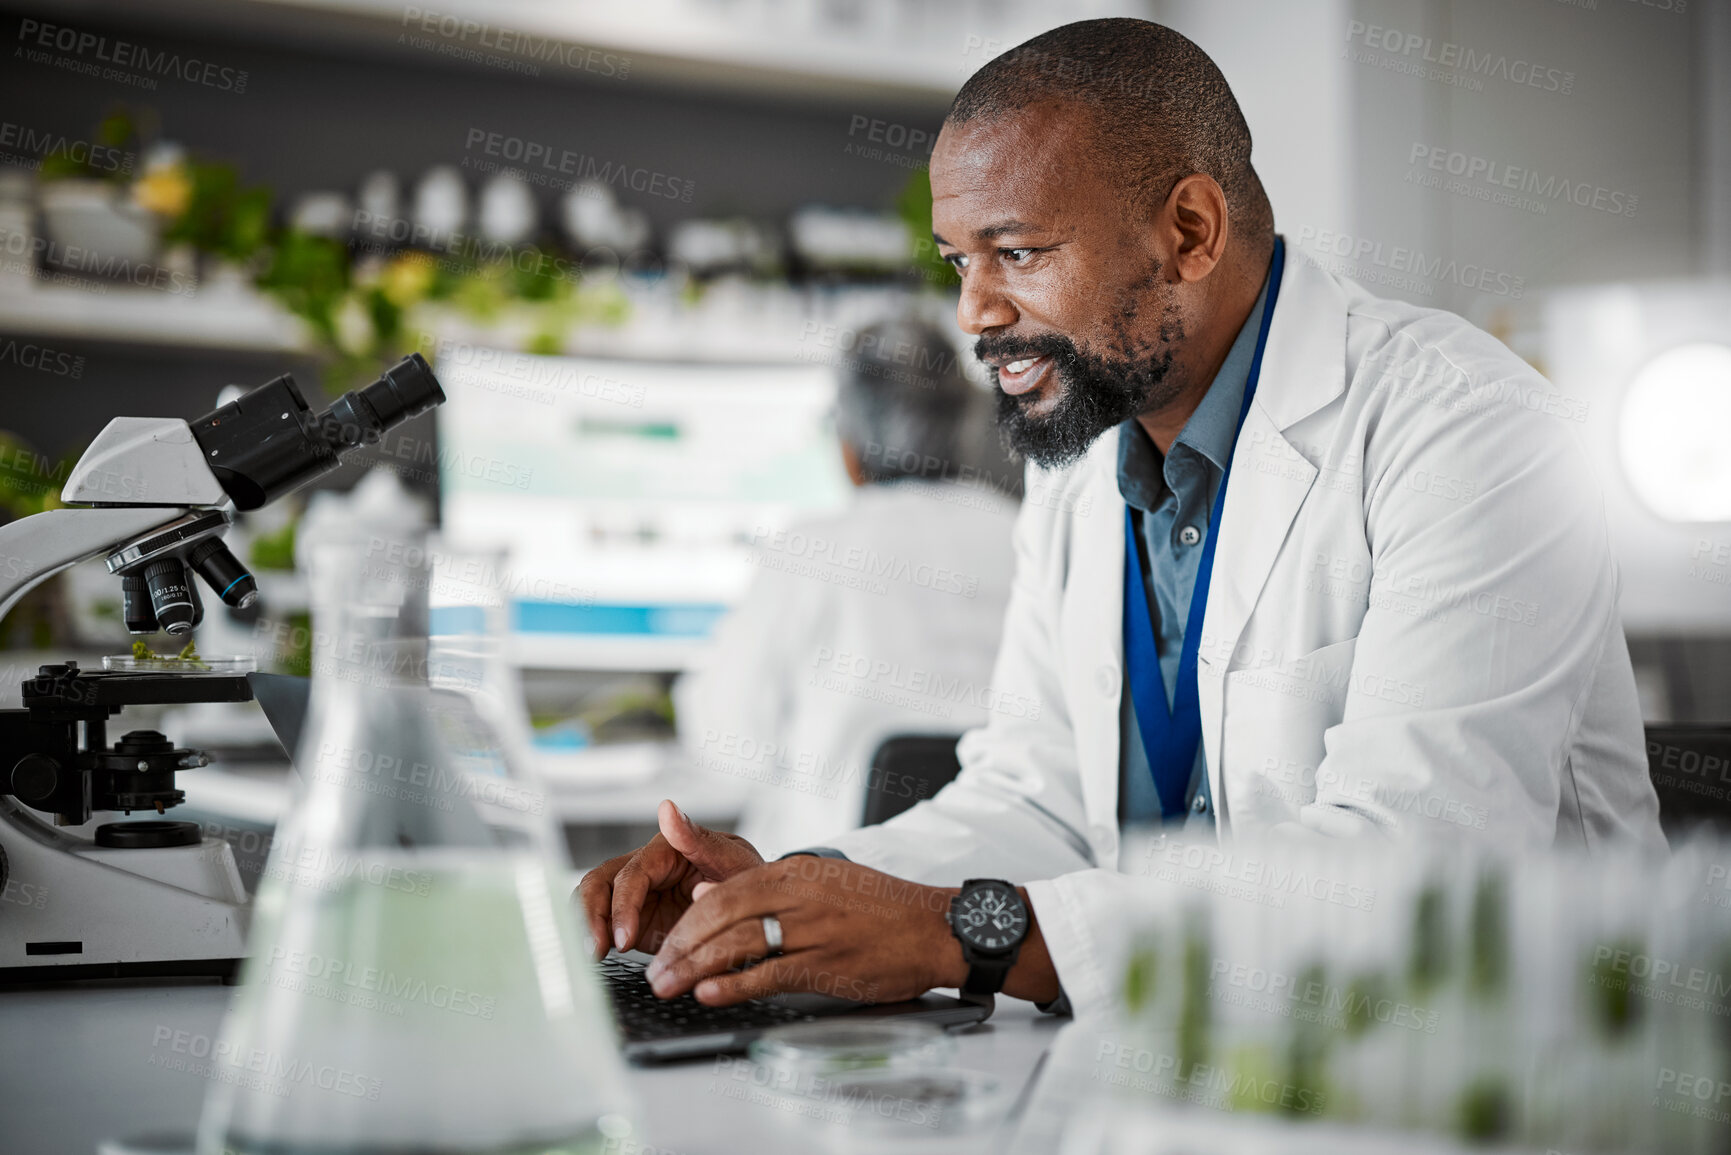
(407, 389)
(269, 441)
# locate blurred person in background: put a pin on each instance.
(877, 621)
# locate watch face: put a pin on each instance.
(990, 917)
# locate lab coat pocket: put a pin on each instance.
(1274, 719)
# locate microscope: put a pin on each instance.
(149, 897)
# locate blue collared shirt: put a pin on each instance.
(1172, 498)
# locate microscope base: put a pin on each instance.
(70, 909)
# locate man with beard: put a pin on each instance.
(1294, 561)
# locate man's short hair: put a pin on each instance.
(902, 402)
(1161, 108)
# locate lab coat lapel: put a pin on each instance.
(1095, 649)
(1303, 369)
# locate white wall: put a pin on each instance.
(1283, 62)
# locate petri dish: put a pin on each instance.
(168, 664)
(826, 1047)
(934, 1112)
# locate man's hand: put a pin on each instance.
(635, 899)
(847, 930)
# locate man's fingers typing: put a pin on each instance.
(714, 854)
(734, 946)
(743, 897)
(595, 892)
(788, 972)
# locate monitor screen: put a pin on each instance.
(627, 492)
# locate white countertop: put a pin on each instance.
(76, 1068)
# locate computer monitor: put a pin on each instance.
(1649, 369)
(628, 492)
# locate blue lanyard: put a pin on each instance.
(1170, 735)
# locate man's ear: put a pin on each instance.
(1199, 226)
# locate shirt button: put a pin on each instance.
(1189, 535)
(1106, 677)
(1200, 805)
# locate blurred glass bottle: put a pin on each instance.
(416, 982)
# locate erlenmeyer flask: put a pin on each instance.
(481, 718)
(415, 982)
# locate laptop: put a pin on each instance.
(652, 1029)
(655, 1030)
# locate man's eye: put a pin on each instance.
(1017, 255)
(956, 260)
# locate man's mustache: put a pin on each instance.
(1008, 348)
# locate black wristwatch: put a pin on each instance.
(991, 921)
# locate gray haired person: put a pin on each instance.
(880, 620)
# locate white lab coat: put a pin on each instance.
(1412, 627)
(881, 620)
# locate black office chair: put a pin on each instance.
(1691, 770)
(906, 769)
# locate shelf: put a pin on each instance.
(735, 322)
(227, 320)
(907, 55)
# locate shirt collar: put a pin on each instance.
(1209, 433)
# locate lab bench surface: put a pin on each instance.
(83, 1063)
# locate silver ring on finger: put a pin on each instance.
(772, 935)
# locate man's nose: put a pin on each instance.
(982, 306)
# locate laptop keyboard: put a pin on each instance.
(642, 1016)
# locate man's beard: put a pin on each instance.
(1096, 391)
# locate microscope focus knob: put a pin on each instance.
(35, 777)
